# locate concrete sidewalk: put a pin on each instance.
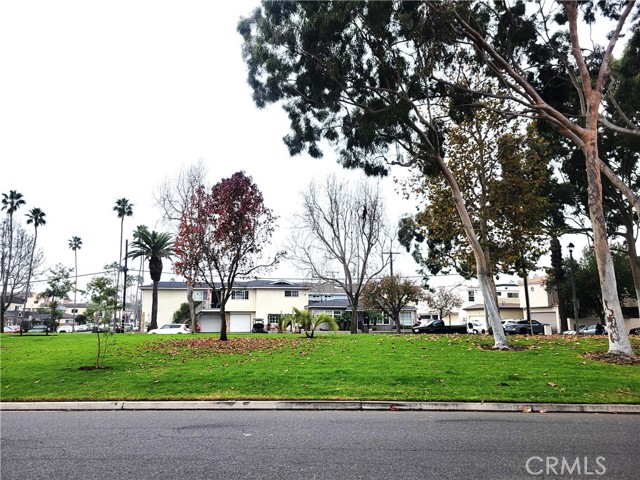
(323, 405)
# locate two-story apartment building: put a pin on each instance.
(251, 301)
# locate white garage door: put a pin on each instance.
(240, 323)
(210, 323)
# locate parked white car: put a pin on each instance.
(171, 328)
(69, 328)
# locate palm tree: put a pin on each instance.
(124, 209)
(35, 217)
(75, 243)
(10, 202)
(305, 320)
(155, 246)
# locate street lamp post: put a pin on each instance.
(573, 289)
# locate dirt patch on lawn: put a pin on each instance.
(510, 348)
(612, 358)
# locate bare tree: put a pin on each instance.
(444, 301)
(173, 198)
(173, 195)
(15, 274)
(340, 235)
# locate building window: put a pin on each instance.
(472, 296)
(406, 318)
(273, 317)
(513, 295)
(240, 295)
(291, 293)
(498, 294)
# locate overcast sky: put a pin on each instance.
(104, 100)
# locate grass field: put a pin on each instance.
(347, 367)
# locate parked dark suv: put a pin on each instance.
(524, 327)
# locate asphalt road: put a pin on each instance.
(275, 445)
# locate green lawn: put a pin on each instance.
(348, 367)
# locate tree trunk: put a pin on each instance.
(354, 313)
(223, 322)
(4, 304)
(556, 264)
(154, 306)
(482, 267)
(98, 353)
(117, 308)
(618, 337)
(75, 290)
(29, 273)
(192, 310)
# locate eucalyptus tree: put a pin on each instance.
(11, 202)
(376, 80)
(36, 218)
(505, 182)
(123, 208)
(153, 246)
(75, 244)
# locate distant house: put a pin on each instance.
(36, 309)
(251, 301)
(543, 305)
(333, 301)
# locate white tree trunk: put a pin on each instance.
(482, 268)
(618, 337)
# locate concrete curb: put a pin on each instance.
(323, 405)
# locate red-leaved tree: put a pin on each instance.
(223, 235)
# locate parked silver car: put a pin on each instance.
(592, 330)
(524, 327)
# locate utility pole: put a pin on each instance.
(391, 254)
(124, 287)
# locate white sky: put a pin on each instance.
(104, 100)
